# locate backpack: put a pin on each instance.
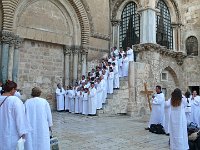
(157, 128)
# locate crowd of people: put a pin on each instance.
(175, 115)
(31, 120)
(90, 93)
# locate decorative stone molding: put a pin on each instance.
(83, 19)
(115, 22)
(117, 4)
(84, 51)
(9, 7)
(7, 37)
(100, 36)
(179, 56)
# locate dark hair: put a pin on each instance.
(187, 94)
(8, 86)
(36, 92)
(176, 98)
(159, 87)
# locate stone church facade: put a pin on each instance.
(44, 42)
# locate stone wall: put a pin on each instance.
(151, 62)
(41, 64)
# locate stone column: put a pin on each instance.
(132, 105)
(115, 32)
(176, 36)
(84, 61)
(18, 43)
(6, 38)
(67, 53)
(10, 57)
(75, 65)
(148, 25)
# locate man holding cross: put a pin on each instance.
(157, 113)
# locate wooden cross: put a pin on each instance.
(147, 93)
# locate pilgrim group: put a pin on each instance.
(90, 93)
(24, 125)
(175, 115)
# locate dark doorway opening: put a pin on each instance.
(194, 88)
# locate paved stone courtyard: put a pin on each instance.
(78, 132)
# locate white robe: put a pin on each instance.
(125, 65)
(195, 114)
(99, 95)
(167, 115)
(13, 122)
(85, 104)
(116, 78)
(110, 82)
(178, 129)
(77, 101)
(67, 103)
(104, 94)
(60, 97)
(130, 55)
(105, 89)
(92, 101)
(120, 67)
(188, 110)
(157, 113)
(38, 113)
(71, 96)
(80, 102)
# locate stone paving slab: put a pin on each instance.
(79, 132)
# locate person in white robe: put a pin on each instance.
(80, 101)
(178, 123)
(158, 104)
(13, 121)
(116, 52)
(77, 95)
(99, 93)
(130, 54)
(92, 100)
(71, 95)
(167, 115)
(120, 66)
(67, 101)
(105, 89)
(85, 102)
(39, 116)
(104, 92)
(195, 108)
(121, 51)
(125, 65)
(60, 97)
(116, 76)
(110, 81)
(188, 109)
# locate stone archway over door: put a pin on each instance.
(47, 28)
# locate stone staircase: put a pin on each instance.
(116, 103)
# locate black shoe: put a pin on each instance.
(167, 134)
(147, 128)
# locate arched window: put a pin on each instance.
(192, 46)
(164, 33)
(130, 26)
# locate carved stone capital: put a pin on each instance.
(115, 22)
(75, 51)
(7, 37)
(67, 50)
(84, 51)
(18, 42)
